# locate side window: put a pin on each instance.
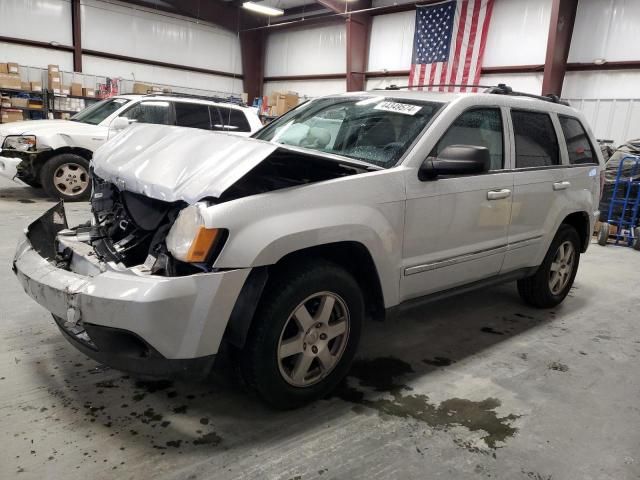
(151, 111)
(233, 120)
(194, 115)
(578, 143)
(480, 127)
(536, 141)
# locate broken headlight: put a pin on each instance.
(22, 143)
(189, 240)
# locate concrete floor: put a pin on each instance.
(474, 387)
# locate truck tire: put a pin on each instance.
(66, 176)
(603, 234)
(304, 335)
(636, 238)
(554, 278)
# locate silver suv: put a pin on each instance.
(278, 246)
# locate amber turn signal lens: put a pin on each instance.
(201, 246)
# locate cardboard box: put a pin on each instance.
(5, 102)
(8, 80)
(36, 86)
(8, 116)
(141, 88)
(281, 103)
(65, 89)
(53, 68)
(55, 87)
(25, 86)
(88, 92)
(19, 102)
(3, 68)
(54, 77)
(13, 67)
(76, 89)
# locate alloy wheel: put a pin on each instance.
(561, 267)
(313, 339)
(71, 179)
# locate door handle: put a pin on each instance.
(561, 185)
(498, 194)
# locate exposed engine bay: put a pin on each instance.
(130, 228)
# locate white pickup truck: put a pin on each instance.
(55, 154)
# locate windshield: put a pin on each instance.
(374, 129)
(99, 111)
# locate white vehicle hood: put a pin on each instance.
(175, 163)
(44, 127)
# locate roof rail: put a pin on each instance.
(504, 89)
(234, 100)
(500, 89)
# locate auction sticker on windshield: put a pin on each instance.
(404, 108)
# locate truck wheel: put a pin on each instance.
(553, 279)
(66, 176)
(603, 234)
(304, 336)
(636, 238)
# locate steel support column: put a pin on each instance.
(76, 31)
(358, 28)
(563, 16)
(252, 47)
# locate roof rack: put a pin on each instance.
(504, 89)
(234, 100)
(500, 89)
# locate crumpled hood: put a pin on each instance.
(34, 127)
(176, 163)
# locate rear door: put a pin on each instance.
(540, 187)
(192, 115)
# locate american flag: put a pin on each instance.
(448, 44)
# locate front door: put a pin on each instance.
(456, 228)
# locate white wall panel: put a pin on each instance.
(41, 20)
(34, 56)
(518, 33)
(161, 75)
(307, 88)
(391, 41)
(611, 119)
(306, 51)
(602, 84)
(607, 29)
(143, 34)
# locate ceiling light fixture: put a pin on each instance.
(263, 9)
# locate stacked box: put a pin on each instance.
(36, 86)
(76, 89)
(19, 102)
(88, 92)
(8, 116)
(54, 79)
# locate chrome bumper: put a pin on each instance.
(180, 317)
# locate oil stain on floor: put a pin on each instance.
(381, 375)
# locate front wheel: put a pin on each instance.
(554, 278)
(304, 336)
(66, 176)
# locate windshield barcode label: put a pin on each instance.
(403, 108)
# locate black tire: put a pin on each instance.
(636, 238)
(603, 234)
(260, 365)
(536, 290)
(78, 171)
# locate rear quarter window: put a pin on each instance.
(234, 120)
(579, 146)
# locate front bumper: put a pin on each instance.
(9, 166)
(121, 316)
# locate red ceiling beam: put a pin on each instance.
(252, 48)
(76, 31)
(563, 16)
(358, 28)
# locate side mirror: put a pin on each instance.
(456, 160)
(120, 123)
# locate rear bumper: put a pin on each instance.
(125, 317)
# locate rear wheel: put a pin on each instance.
(554, 278)
(636, 238)
(66, 176)
(603, 234)
(304, 336)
